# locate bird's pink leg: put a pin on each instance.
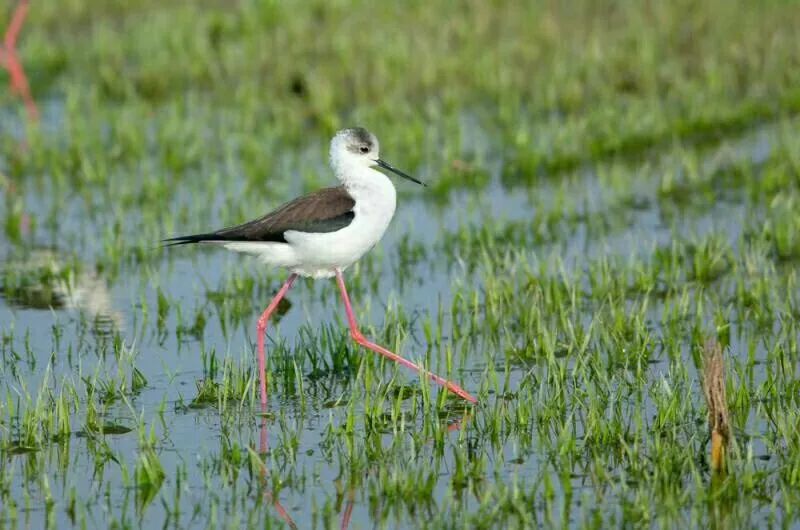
(261, 330)
(19, 82)
(360, 339)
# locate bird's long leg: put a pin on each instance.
(19, 82)
(261, 330)
(360, 339)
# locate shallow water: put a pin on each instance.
(203, 450)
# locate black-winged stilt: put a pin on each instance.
(320, 234)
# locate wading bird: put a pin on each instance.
(321, 234)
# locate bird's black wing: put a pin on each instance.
(326, 210)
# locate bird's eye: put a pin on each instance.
(364, 149)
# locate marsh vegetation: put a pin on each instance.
(612, 184)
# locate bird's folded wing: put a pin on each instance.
(326, 210)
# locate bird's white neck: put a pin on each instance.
(360, 178)
(371, 189)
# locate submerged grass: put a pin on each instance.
(611, 184)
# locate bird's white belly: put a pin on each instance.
(319, 254)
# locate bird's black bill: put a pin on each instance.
(396, 171)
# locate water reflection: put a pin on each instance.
(45, 279)
(269, 496)
(453, 425)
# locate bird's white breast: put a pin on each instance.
(318, 255)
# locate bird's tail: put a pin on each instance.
(187, 240)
